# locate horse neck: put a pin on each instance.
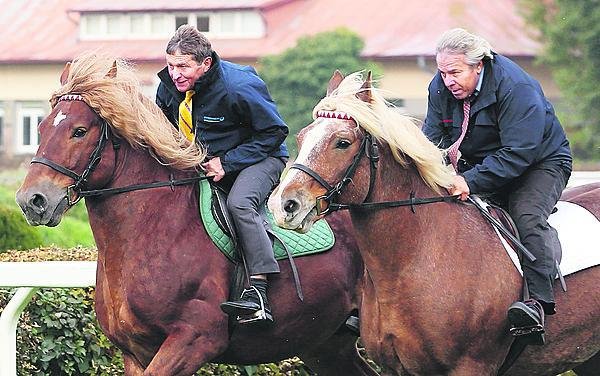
(398, 230)
(141, 208)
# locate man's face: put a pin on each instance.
(459, 77)
(185, 70)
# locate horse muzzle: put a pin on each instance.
(295, 212)
(43, 204)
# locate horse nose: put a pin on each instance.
(291, 206)
(38, 203)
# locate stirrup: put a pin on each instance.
(527, 330)
(260, 315)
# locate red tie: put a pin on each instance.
(453, 152)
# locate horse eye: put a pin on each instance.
(79, 132)
(343, 144)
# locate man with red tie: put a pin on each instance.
(505, 141)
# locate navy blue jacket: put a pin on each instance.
(512, 126)
(233, 113)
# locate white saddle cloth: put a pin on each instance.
(579, 235)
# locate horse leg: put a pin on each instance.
(187, 347)
(338, 356)
(590, 367)
(132, 366)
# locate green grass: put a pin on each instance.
(73, 230)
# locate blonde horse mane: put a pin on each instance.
(385, 123)
(116, 96)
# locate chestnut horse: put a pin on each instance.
(160, 279)
(438, 279)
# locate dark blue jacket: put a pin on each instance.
(233, 113)
(512, 126)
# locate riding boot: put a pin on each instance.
(252, 306)
(527, 321)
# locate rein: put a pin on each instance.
(326, 204)
(75, 191)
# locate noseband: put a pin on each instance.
(73, 191)
(326, 203)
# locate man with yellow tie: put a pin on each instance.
(228, 109)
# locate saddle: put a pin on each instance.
(219, 225)
(286, 243)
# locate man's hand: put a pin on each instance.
(459, 187)
(213, 168)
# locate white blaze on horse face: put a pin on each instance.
(58, 118)
(312, 146)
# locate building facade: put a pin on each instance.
(42, 35)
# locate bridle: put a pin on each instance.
(326, 203)
(76, 190)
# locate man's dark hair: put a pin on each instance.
(189, 41)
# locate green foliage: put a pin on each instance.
(297, 78)
(15, 233)
(570, 31)
(72, 231)
(62, 328)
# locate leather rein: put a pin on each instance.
(76, 190)
(326, 203)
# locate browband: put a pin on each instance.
(71, 97)
(334, 115)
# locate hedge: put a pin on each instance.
(15, 233)
(58, 333)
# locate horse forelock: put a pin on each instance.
(386, 124)
(131, 115)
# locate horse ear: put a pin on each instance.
(112, 72)
(65, 73)
(365, 93)
(335, 81)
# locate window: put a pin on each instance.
(137, 24)
(27, 129)
(92, 24)
(180, 20)
(115, 24)
(160, 25)
(203, 23)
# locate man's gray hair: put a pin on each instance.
(189, 41)
(460, 41)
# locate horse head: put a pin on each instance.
(339, 152)
(72, 139)
(96, 104)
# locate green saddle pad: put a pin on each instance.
(320, 238)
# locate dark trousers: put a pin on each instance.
(529, 200)
(248, 192)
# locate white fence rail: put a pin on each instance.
(30, 276)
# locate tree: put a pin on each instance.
(298, 77)
(570, 32)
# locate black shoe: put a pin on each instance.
(252, 306)
(527, 321)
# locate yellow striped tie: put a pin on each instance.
(185, 116)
